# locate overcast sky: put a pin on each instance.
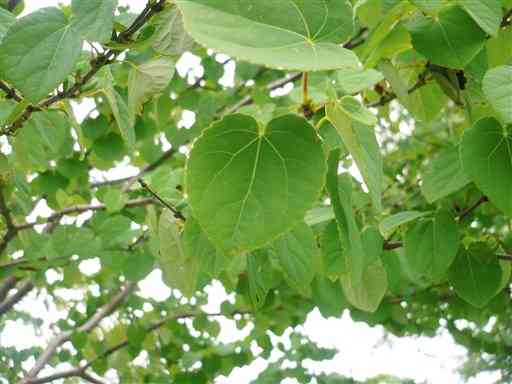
(362, 353)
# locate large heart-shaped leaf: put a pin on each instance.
(232, 173)
(487, 158)
(497, 86)
(38, 52)
(293, 34)
(94, 19)
(451, 39)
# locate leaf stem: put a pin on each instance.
(177, 214)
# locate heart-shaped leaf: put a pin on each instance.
(248, 184)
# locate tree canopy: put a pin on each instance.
(360, 161)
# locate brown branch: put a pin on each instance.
(389, 97)
(78, 371)
(99, 62)
(469, 210)
(8, 284)
(11, 301)
(177, 214)
(90, 324)
(75, 209)
(9, 223)
(9, 91)
(505, 257)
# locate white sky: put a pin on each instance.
(363, 352)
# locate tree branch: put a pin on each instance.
(85, 208)
(99, 62)
(469, 210)
(62, 337)
(422, 81)
(16, 298)
(8, 284)
(9, 223)
(9, 91)
(78, 371)
(177, 214)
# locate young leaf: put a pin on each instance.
(328, 296)
(296, 251)
(178, 268)
(170, 37)
(94, 19)
(497, 86)
(147, 80)
(476, 275)
(340, 192)
(6, 20)
(368, 295)
(356, 80)
(293, 35)
(451, 39)
(347, 116)
(333, 251)
(120, 110)
(38, 52)
(247, 184)
(444, 176)
(485, 153)
(431, 246)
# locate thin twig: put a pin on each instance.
(99, 62)
(90, 324)
(469, 210)
(387, 98)
(11, 301)
(8, 284)
(177, 214)
(76, 372)
(75, 209)
(9, 91)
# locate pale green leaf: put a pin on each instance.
(94, 19)
(444, 176)
(356, 111)
(451, 39)
(296, 251)
(232, 176)
(476, 275)
(356, 80)
(147, 80)
(294, 35)
(6, 20)
(319, 215)
(119, 109)
(38, 52)
(361, 142)
(497, 86)
(340, 192)
(487, 159)
(391, 223)
(170, 37)
(368, 295)
(430, 6)
(328, 296)
(334, 251)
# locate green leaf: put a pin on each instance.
(178, 268)
(319, 215)
(248, 184)
(170, 37)
(432, 245)
(328, 296)
(296, 251)
(6, 20)
(360, 141)
(120, 110)
(115, 200)
(292, 35)
(486, 156)
(486, 13)
(451, 39)
(367, 295)
(356, 111)
(147, 80)
(476, 274)
(430, 6)
(38, 52)
(356, 80)
(373, 244)
(94, 19)
(444, 175)
(340, 192)
(497, 86)
(391, 223)
(258, 270)
(333, 252)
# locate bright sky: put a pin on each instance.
(363, 350)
